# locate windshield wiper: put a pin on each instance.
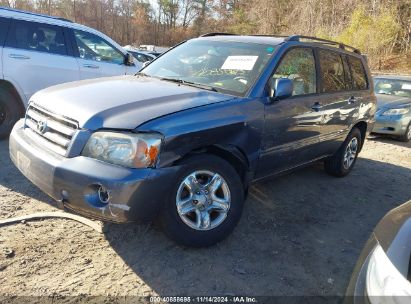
(192, 84)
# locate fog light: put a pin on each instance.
(97, 195)
(64, 194)
(103, 195)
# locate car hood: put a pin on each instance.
(123, 102)
(391, 101)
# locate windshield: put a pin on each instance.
(228, 67)
(392, 87)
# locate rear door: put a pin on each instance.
(360, 92)
(337, 101)
(35, 56)
(97, 57)
(292, 126)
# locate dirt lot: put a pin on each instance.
(300, 234)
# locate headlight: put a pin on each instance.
(400, 111)
(131, 150)
(385, 281)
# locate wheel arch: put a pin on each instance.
(9, 87)
(231, 154)
(362, 126)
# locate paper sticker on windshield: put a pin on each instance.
(406, 86)
(239, 63)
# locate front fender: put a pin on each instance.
(237, 123)
(14, 85)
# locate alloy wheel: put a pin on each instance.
(350, 153)
(203, 200)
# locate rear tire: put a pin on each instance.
(342, 162)
(407, 135)
(10, 112)
(184, 216)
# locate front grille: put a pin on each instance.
(53, 131)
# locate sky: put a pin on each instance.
(153, 4)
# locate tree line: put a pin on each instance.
(380, 28)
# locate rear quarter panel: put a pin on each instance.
(368, 100)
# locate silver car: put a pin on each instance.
(382, 273)
(393, 115)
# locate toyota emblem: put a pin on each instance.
(42, 126)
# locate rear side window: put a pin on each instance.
(299, 66)
(4, 27)
(347, 74)
(38, 37)
(358, 74)
(332, 72)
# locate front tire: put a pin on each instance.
(10, 112)
(342, 162)
(205, 203)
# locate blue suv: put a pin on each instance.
(185, 138)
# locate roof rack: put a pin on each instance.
(34, 14)
(231, 34)
(324, 41)
(296, 38)
(273, 36)
(217, 34)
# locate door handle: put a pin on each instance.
(351, 100)
(91, 66)
(18, 56)
(317, 107)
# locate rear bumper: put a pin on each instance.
(135, 194)
(391, 125)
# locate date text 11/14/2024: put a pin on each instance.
(204, 299)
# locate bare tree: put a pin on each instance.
(170, 21)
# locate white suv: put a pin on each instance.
(38, 51)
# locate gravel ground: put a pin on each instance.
(300, 234)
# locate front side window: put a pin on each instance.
(38, 37)
(4, 27)
(332, 72)
(299, 66)
(224, 66)
(92, 47)
(358, 73)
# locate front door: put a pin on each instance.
(292, 125)
(97, 57)
(35, 57)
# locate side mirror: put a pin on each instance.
(129, 60)
(281, 88)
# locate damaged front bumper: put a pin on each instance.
(391, 125)
(91, 187)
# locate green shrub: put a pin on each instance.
(373, 34)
